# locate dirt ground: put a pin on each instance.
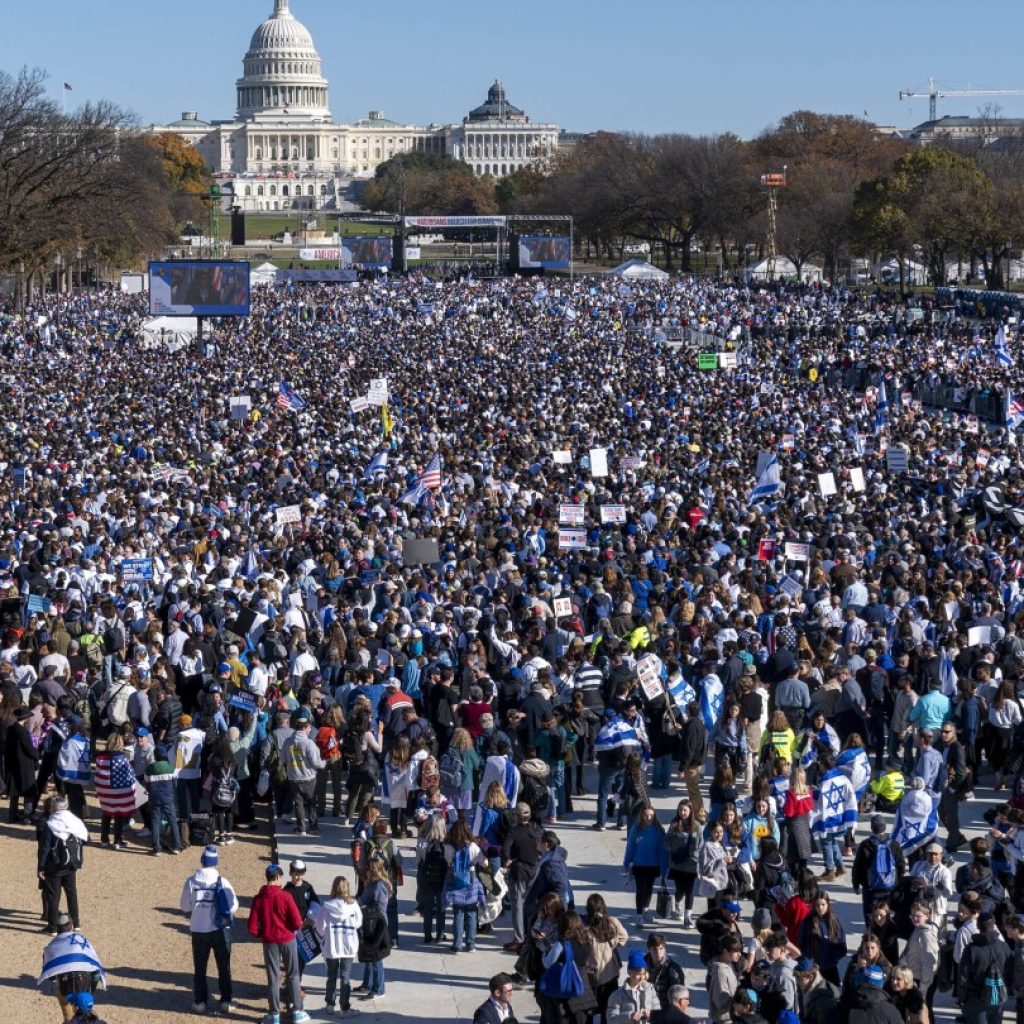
(128, 903)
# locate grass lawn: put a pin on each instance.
(266, 225)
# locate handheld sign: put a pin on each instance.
(788, 442)
(562, 606)
(648, 670)
(766, 549)
(727, 360)
(244, 702)
(571, 515)
(827, 484)
(378, 393)
(38, 605)
(797, 552)
(896, 460)
(857, 478)
(288, 514)
(561, 457)
(569, 540)
(598, 462)
(707, 361)
(241, 406)
(791, 586)
(613, 513)
(631, 463)
(359, 404)
(136, 570)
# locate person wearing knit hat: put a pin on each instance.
(210, 901)
(636, 995)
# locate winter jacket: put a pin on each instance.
(199, 899)
(274, 917)
(871, 1006)
(818, 1005)
(522, 848)
(645, 848)
(301, 758)
(922, 954)
(625, 1001)
(160, 783)
(338, 922)
(552, 876)
(58, 826)
(814, 942)
(987, 952)
(663, 976)
(683, 849)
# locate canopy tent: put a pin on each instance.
(786, 268)
(913, 273)
(170, 332)
(265, 273)
(639, 270)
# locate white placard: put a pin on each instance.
(571, 515)
(648, 670)
(562, 457)
(570, 539)
(791, 586)
(857, 478)
(289, 514)
(378, 393)
(896, 460)
(788, 442)
(562, 606)
(979, 635)
(797, 552)
(952, 610)
(613, 513)
(827, 484)
(631, 463)
(240, 406)
(598, 461)
(359, 404)
(412, 252)
(727, 360)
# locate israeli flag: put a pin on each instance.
(769, 483)
(69, 953)
(377, 467)
(614, 734)
(250, 567)
(856, 766)
(881, 409)
(1003, 357)
(837, 809)
(703, 466)
(680, 691)
(712, 699)
(917, 820)
(947, 674)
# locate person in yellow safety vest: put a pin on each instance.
(889, 790)
(639, 637)
(779, 740)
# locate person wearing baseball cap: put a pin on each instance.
(817, 997)
(274, 919)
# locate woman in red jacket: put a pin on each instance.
(274, 920)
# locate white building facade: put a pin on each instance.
(282, 150)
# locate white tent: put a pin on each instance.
(639, 270)
(265, 273)
(913, 273)
(786, 268)
(170, 332)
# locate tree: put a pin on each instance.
(516, 191)
(424, 183)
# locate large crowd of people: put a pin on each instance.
(562, 554)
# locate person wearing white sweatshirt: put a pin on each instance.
(338, 920)
(210, 901)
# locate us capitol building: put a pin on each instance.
(283, 150)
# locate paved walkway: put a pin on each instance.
(428, 983)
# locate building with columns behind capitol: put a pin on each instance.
(282, 150)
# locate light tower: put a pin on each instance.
(772, 182)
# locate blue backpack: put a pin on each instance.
(882, 870)
(462, 870)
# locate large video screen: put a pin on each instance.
(552, 252)
(368, 253)
(199, 288)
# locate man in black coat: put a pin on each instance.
(693, 743)
(20, 761)
(674, 1010)
(519, 854)
(957, 782)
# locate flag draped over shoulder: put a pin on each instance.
(837, 807)
(1014, 412)
(712, 698)
(856, 766)
(1002, 351)
(614, 734)
(917, 820)
(115, 785)
(69, 953)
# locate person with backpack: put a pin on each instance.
(60, 840)
(431, 872)
(981, 985)
(381, 851)
(361, 750)
(458, 767)
(210, 901)
(878, 866)
(375, 939)
(73, 766)
(302, 761)
(222, 768)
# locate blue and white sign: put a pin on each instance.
(136, 570)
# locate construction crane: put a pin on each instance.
(934, 92)
(771, 183)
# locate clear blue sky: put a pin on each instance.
(697, 66)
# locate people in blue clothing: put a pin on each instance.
(646, 858)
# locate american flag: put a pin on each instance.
(115, 785)
(288, 398)
(431, 476)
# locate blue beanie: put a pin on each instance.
(636, 961)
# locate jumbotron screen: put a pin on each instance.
(199, 288)
(552, 252)
(366, 253)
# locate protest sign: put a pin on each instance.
(982, 458)
(288, 514)
(727, 360)
(631, 463)
(38, 605)
(561, 457)
(245, 702)
(791, 586)
(378, 393)
(766, 549)
(979, 635)
(613, 513)
(368, 577)
(826, 484)
(648, 670)
(240, 406)
(136, 570)
(359, 404)
(572, 539)
(896, 460)
(571, 515)
(598, 462)
(562, 606)
(707, 361)
(788, 442)
(857, 478)
(797, 552)
(420, 552)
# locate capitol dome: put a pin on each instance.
(281, 72)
